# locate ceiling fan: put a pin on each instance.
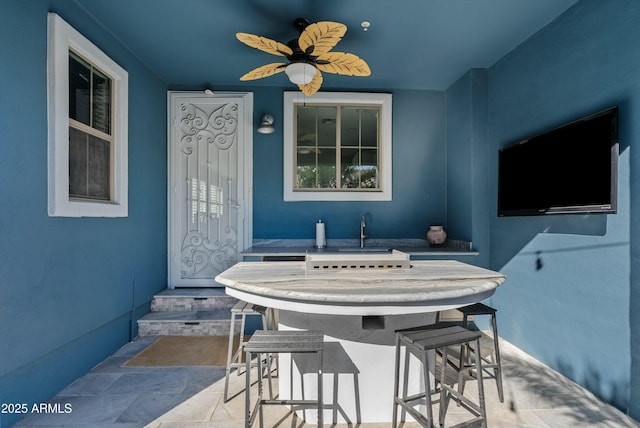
(308, 55)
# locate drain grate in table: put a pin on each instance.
(394, 260)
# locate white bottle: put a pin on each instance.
(321, 241)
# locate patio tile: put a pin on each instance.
(85, 410)
(191, 397)
(169, 381)
(90, 384)
(146, 408)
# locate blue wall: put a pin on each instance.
(419, 177)
(68, 285)
(572, 293)
(467, 209)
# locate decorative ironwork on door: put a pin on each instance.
(209, 167)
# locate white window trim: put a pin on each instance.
(385, 103)
(61, 38)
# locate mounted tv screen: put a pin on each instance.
(570, 169)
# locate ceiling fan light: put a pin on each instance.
(300, 73)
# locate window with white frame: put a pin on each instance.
(87, 143)
(337, 147)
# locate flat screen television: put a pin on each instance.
(570, 169)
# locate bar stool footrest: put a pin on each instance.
(462, 400)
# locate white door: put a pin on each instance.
(210, 184)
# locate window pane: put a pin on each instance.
(99, 168)
(349, 126)
(79, 90)
(322, 177)
(316, 169)
(306, 129)
(305, 177)
(369, 126)
(89, 166)
(350, 160)
(369, 178)
(306, 168)
(327, 168)
(326, 117)
(354, 177)
(77, 163)
(101, 102)
(359, 168)
(359, 126)
(369, 169)
(369, 158)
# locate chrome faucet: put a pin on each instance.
(363, 224)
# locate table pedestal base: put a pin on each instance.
(358, 365)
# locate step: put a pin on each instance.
(215, 322)
(191, 299)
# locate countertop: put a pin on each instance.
(413, 247)
(427, 285)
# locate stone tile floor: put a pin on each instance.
(191, 397)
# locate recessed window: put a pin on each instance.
(87, 96)
(337, 146)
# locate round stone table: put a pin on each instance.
(359, 309)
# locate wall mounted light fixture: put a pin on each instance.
(266, 126)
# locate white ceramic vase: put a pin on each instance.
(436, 235)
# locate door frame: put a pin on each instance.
(245, 165)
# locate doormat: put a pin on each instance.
(183, 351)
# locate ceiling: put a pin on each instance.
(410, 44)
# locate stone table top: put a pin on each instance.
(428, 285)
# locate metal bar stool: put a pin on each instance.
(276, 342)
(419, 341)
(495, 364)
(234, 357)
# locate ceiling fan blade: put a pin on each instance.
(321, 37)
(313, 86)
(343, 63)
(265, 71)
(264, 44)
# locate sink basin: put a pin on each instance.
(363, 250)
